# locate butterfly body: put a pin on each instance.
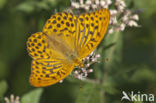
(58, 44)
(63, 43)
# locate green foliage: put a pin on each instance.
(3, 89)
(147, 10)
(29, 7)
(113, 52)
(127, 59)
(3, 69)
(88, 94)
(2, 3)
(33, 96)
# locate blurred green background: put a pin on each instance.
(131, 64)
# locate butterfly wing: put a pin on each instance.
(46, 72)
(56, 40)
(91, 28)
(63, 26)
(49, 66)
(37, 46)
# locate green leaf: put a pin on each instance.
(147, 10)
(3, 69)
(114, 44)
(3, 88)
(42, 5)
(111, 55)
(27, 7)
(31, 6)
(88, 94)
(2, 3)
(110, 89)
(33, 96)
(146, 74)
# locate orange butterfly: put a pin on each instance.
(63, 43)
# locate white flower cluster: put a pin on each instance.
(82, 73)
(120, 15)
(12, 99)
(91, 4)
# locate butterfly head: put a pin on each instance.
(79, 63)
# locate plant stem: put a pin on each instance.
(116, 41)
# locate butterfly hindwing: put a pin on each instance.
(47, 72)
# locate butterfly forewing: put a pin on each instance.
(91, 28)
(62, 24)
(37, 46)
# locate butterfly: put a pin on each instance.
(65, 40)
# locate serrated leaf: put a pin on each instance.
(3, 88)
(33, 96)
(88, 94)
